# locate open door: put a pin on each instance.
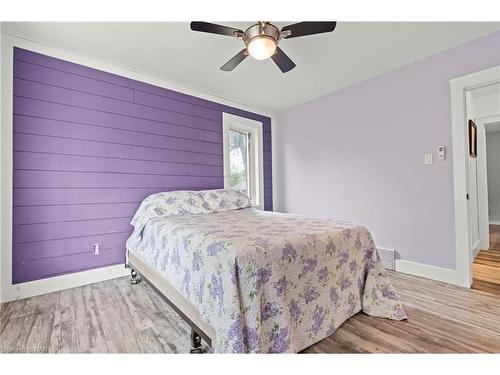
(472, 178)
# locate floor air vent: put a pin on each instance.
(387, 257)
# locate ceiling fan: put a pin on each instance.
(261, 40)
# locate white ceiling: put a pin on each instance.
(355, 52)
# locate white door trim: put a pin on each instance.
(458, 88)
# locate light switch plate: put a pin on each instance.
(427, 158)
(441, 152)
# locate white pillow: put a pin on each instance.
(224, 200)
(173, 203)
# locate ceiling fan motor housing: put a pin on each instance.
(262, 29)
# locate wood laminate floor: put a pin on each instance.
(114, 316)
(486, 266)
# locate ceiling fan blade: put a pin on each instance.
(282, 60)
(213, 28)
(308, 28)
(235, 61)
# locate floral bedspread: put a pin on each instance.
(269, 282)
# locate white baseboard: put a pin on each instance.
(53, 284)
(429, 272)
(495, 222)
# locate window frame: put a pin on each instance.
(256, 155)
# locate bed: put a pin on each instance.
(250, 281)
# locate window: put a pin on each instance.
(243, 157)
(239, 159)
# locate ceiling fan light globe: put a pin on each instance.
(261, 47)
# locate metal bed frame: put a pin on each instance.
(197, 334)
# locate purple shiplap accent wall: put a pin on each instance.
(89, 146)
(361, 151)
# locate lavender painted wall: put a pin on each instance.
(358, 154)
(89, 146)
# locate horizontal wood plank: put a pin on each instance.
(168, 104)
(55, 214)
(76, 180)
(60, 196)
(50, 144)
(53, 94)
(45, 267)
(24, 233)
(50, 76)
(74, 163)
(68, 246)
(58, 112)
(44, 127)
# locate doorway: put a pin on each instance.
(483, 185)
(486, 264)
(459, 86)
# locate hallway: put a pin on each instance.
(486, 266)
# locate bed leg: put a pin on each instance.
(134, 277)
(195, 342)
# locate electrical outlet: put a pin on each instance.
(427, 158)
(97, 249)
